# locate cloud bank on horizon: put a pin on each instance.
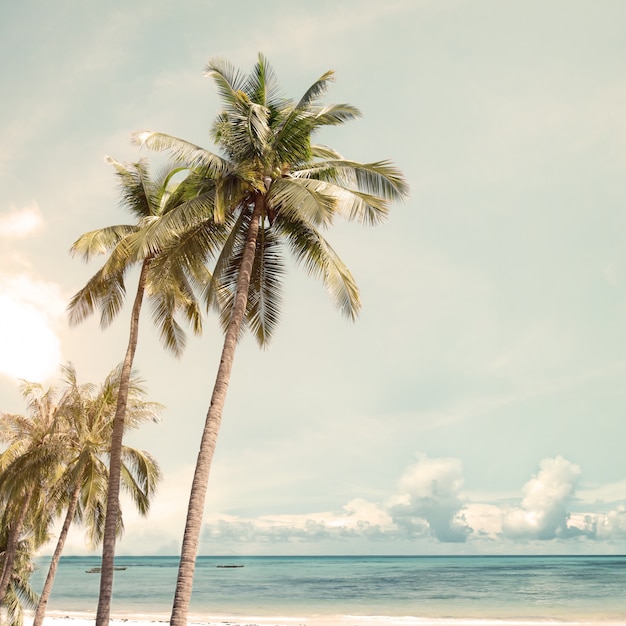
(429, 513)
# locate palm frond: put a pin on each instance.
(262, 85)
(318, 258)
(213, 291)
(315, 91)
(382, 178)
(134, 188)
(309, 199)
(335, 114)
(106, 293)
(324, 152)
(228, 78)
(100, 241)
(264, 297)
(184, 151)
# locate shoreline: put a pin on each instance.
(68, 618)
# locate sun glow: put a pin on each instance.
(29, 346)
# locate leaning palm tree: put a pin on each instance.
(273, 188)
(81, 489)
(170, 293)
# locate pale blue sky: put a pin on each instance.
(477, 406)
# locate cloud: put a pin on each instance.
(543, 511)
(429, 492)
(21, 222)
(31, 349)
(358, 519)
(605, 527)
(429, 504)
(427, 511)
(30, 308)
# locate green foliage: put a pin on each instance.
(267, 149)
(20, 595)
(168, 286)
(60, 447)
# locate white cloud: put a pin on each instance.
(21, 222)
(543, 513)
(358, 519)
(612, 525)
(485, 520)
(429, 504)
(428, 509)
(429, 492)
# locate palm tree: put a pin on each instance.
(87, 421)
(28, 466)
(19, 594)
(272, 188)
(170, 293)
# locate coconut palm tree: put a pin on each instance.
(273, 188)
(19, 594)
(169, 292)
(28, 466)
(81, 488)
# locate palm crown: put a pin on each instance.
(268, 159)
(170, 293)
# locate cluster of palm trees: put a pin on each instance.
(213, 230)
(54, 467)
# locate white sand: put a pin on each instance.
(67, 619)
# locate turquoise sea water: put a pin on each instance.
(573, 588)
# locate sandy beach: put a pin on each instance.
(313, 620)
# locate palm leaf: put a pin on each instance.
(381, 178)
(106, 293)
(100, 241)
(262, 85)
(318, 258)
(264, 296)
(309, 199)
(194, 156)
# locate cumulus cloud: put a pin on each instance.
(428, 504)
(428, 500)
(543, 513)
(609, 526)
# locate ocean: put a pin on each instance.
(588, 589)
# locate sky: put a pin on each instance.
(477, 405)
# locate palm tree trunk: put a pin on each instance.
(11, 549)
(193, 525)
(52, 570)
(115, 463)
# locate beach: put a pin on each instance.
(337, 620)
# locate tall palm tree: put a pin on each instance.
(87, 421)
(273, 189)
(170, 293)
